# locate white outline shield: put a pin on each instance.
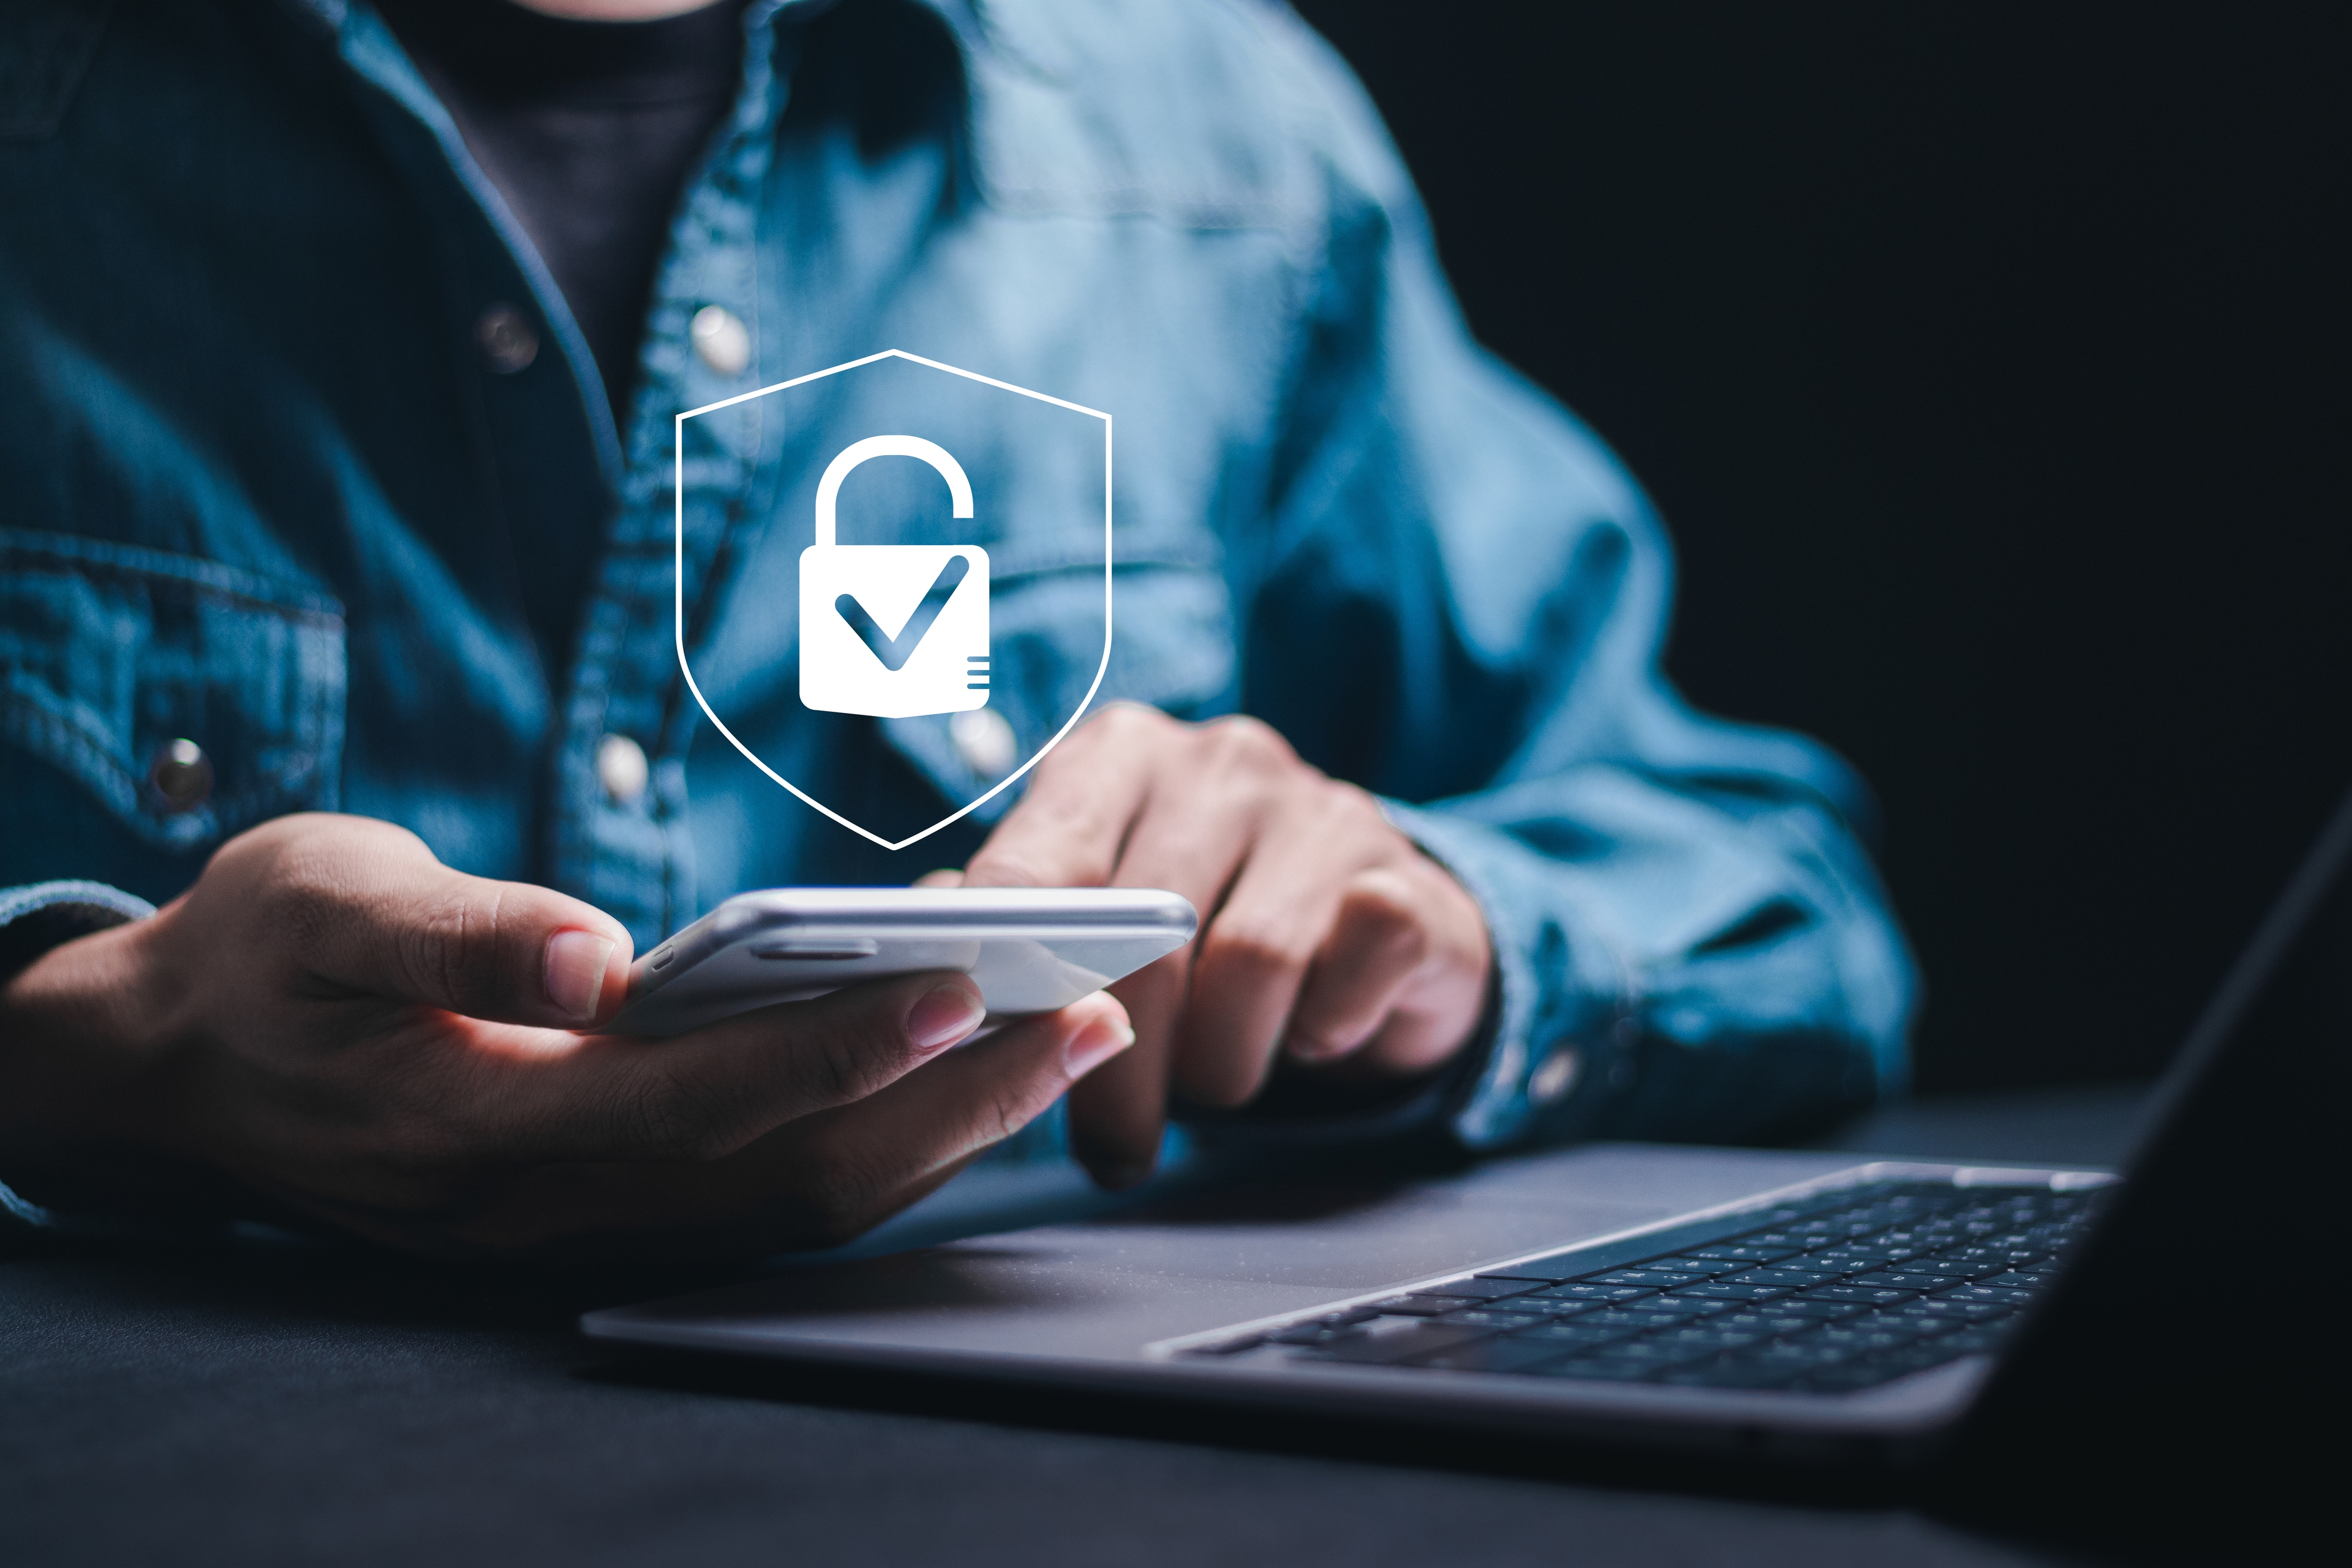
(678, 590)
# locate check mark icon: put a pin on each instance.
(894, 652)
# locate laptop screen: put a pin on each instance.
(2198, 1324)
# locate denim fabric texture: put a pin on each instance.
(259, 489)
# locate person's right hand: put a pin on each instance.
(337, 1019)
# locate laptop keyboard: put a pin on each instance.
(1829, 1294)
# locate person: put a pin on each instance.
(343, 347)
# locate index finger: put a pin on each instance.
(1068, 831)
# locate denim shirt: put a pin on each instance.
(261, 487)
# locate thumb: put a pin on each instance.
(379, 915)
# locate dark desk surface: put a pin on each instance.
(265, 1404)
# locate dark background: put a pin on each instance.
(1989, 367)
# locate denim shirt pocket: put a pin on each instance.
(1172, 648)
(109, 652)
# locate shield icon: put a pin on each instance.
(922, 509)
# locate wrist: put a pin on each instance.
(72, 1040)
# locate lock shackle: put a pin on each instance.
(828, 488)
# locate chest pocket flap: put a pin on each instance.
(193, 700)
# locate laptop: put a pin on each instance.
(1803, 1306)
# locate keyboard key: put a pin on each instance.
(1892, 1281)
(2012, 1256)
(1936, 1351)
(1793, 1278)
(1708, 1337)
(1575, 1334)
(1488, 1318)
(1493, 1355)
(1769, 1323)
(1864, 1294)
(1951, 1273)
(1924, 1328)
(1658, 1351)
(1379, 1350)
(1751, 1253)
(1682, 1306)
(2017, 1281)
(1312, 1334)
(1596, 1369)
(1855, 1259)
(1587, 1292)
(1546, 1306)
(1655, 1279)
(1352, 1315)
(1819, 1310)
(1705, 1266)
(1638, 1316)
(2004, 1297)
(1729, 1292)
(1957, 1312)
(1791, 1359)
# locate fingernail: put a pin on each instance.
(1118, 1178)
(1305, 1048)
(941, 1016)
(1095, 1045)
(575, 972)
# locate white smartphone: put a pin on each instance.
(1031, 950)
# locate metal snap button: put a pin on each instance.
(983, 740)
(182, 775)
(720, 339)
(506, 338)
(1550, 1083)
(621, 769)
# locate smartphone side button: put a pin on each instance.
(812, 949)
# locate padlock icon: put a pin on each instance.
(893, 630)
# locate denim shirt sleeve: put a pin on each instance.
(33, 919)
(1459, 602)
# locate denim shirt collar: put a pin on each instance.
(368, 46)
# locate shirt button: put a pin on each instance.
(1550, 1082)
(183, 776)
(983, 740)
(506, 338)
(721, 341)
(621, 769)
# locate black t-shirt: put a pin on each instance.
(590, 131)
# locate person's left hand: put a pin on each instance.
(1326, 934)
